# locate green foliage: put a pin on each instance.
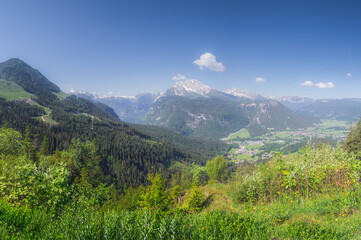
(129, 200)
(195, 201)
(318, 170)
(10, 141)
(155, 196)
(199, 149)
(27, 184)
(200, 175)
(306, 230)
(217, 168)
(83, 162)
(226, 225)
(28, 146)
(353, 140)
(45, 147)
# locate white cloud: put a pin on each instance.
(208, 61)
(72, 90)
(325, 85)
(348, 74)
(260, 80)
(307, 83)
(179, 77)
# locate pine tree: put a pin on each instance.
(28, 147)
(45, 147)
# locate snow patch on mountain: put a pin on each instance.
(191, 86)
(244, 94)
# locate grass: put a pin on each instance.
(12, 91)
(326, 216)
(254, 146)
(61, 95)
(334, 123)
(241, 134)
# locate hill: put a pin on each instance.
(12, 91)
(127, 154)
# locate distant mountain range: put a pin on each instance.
(195, 109)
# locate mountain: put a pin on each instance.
(294, 102)
(207, 117)
(244, 94)
(130, 109)
(190, 87)
(348, 109)
(128, 154)
(337, 109)
(271, 114)
(200, 111)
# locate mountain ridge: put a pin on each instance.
(128, 154)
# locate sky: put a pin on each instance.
(283, 48)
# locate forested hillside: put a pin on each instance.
(128, 155)
(62, 195)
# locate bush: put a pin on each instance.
(318, 170)
(217, 168)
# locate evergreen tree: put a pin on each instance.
(45, 147)
(353, 140)
(217, 168)
(156, 195)
(29, 149)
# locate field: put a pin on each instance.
(11, 91)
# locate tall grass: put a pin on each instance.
(316, 171)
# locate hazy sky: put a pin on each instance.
(128, 47)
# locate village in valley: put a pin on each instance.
(261, 148)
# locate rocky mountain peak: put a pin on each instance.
(191, 86)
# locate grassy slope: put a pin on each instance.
(12, 91)
(338, 212)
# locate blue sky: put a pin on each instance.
(128, 47)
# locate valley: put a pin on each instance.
(174, 120)
(254, 149)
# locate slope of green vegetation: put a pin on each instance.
(196, 146)
(11, 91)
(315, 195)
(128, 154)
